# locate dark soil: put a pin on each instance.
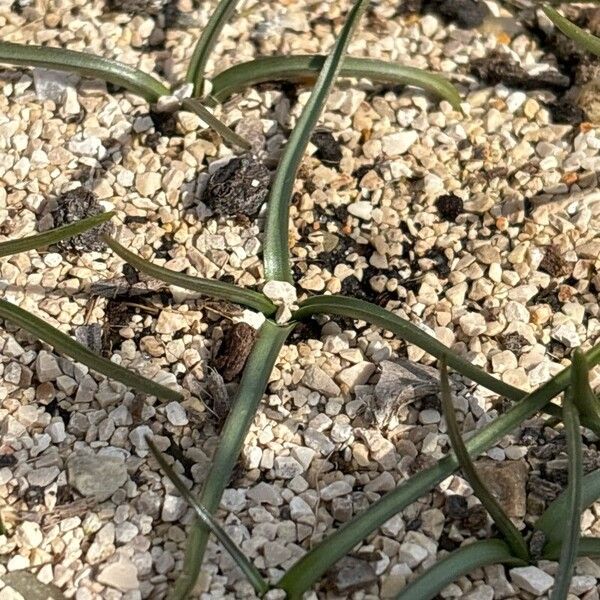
(466, 14)
(554, 263)
(328, 151)
(450, 206)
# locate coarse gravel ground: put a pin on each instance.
(484, 228)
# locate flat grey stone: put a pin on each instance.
(98, 476)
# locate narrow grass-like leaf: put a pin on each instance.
(365, 311)
(588, 546)
(53, 236)
(3, 530)
(587, 40)
(251, 572)
(28, 586)
(208, 39)
(194, 105)
(276, 253)
(588, 406)
(208, 287)
(554, 513)
(511, 534)
(458, 563)
(255, 377)
(86, 65)
(305, 69)
(63, 343)
(570, 521)
(309, 569)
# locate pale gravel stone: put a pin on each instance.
(316, 379)
(335, 489)
(176, 414)
(96, 475)
(121, 575)
(531, 579)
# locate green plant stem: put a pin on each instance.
(276, 253)
(208, 39)
(86, 65)
(305, 69)
(511, 534)
(194, 105)
(571, 518)
(53, 236)
(250, 571)
(458, 563)
(365, 311)
(63, 343)
(312, 565)
(249, 394)
(208, 287)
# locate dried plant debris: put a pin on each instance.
(554, 262)
(138, 7)
(234, 350)
(500, 67)
(401, 382)
(73, 206)
(239, 187)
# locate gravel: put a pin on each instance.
(481, 228)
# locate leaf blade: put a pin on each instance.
(208, 287)
(312, 565)
(87, 65)
(304, 69)
(53, 236)
(572, 515)
(66, 345)
(223, 130)
(513, 537)
(249, 570)
(207, 41)
(249, 394)
(359, 309)
(587, 40)
(276, 257)
(458, 563)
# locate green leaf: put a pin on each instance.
(194, 105)
(511, 534)
(255, 377)
(53, 236)
(557, 509)
(585, 401)
(276, 251)
(365, 311)
(208, 39)
(587, 40)
(86, 65)
(588, 546)
(63, 343)
(570, 522)
(313, 564)
(27, 584)
(208, 287)
(251, 572)
(304, 69)
(457, 564)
